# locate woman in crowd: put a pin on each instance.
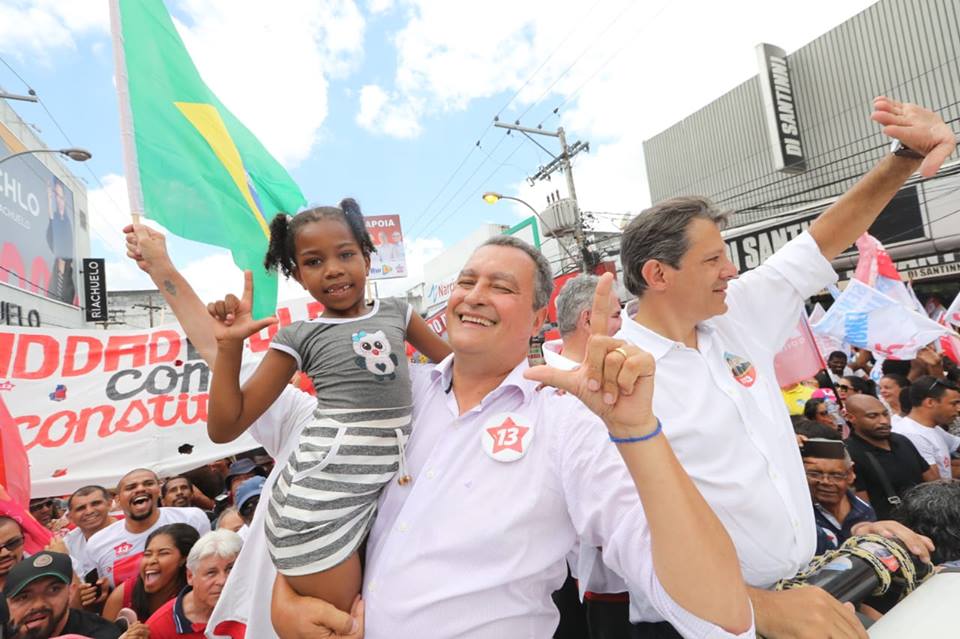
(163, 573)
(890, 387)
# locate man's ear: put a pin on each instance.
(584, 320)
(654, 273)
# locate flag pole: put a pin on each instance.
(130, 165)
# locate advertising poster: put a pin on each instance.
(37, 227)
(389, 260)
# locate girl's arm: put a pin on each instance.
(232, 409)
(425, 340)
(114, 603)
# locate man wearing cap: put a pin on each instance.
(248, 496)
(38, 592)
(240, 471)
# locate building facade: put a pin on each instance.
(815, 103)
(44, 232)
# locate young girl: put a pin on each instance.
(324, 501)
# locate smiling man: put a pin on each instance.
(38, 593)
(717, 334)
(115, 551)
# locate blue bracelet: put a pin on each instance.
(630, 440)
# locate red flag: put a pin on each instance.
(799, 359)
(14, 465)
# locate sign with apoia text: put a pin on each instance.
(780, 108)
(94, 289)
(389, 260)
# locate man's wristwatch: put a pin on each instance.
(899, 149)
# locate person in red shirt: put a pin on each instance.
(208, 566)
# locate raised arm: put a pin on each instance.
(693, 557)
(425, 340)
(232, 409)
(921, 130)
(148, 248)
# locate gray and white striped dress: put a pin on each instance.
(325, 499)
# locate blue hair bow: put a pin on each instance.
(359, 335)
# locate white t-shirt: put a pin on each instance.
(115, 551)
(77, 546)
(933, 444)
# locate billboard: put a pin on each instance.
(780, 108)
(389, 260)
(37, 226)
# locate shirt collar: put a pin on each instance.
(180, 620)
(443, 373)
(651, 341)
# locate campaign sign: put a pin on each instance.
(389, 260)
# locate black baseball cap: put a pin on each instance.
(42, 564)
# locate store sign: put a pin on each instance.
(439, 292)
(783, 123)
(94, 289)
(389, 260)
(15, 315)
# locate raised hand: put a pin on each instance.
(918, 128)
(233, 317)
(146, 246)
(615, 380)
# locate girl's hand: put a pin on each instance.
(233, 319)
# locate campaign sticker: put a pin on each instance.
(506, 437)
(743, 371)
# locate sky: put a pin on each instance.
(392, 101)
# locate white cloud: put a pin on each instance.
(272, 67)
(376, 7)
(37, 28)
(379, 113)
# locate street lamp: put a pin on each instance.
(77, 155)
(491, 197)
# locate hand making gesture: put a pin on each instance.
(918, 128)
(234, 318)
(615, 380)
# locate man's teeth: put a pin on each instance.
(476, 320)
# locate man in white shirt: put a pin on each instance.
(936, 403)
(116, 550)
(458, 577)
(714, 338)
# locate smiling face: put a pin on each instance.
(331, 267)
(828, 479)
(490, 312)
(137, 494)
(698, 287)
(40, 609)
(160, 564)
(89, 512)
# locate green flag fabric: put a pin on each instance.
(201, 173)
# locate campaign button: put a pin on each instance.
(506, 437)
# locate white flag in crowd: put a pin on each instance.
(953, 313)
(875, 268)
(864, 317)
(825, 343)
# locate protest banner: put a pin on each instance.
(864, 317)
(90, 405)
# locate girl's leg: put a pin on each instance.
(338, 586)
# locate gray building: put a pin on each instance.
(906, 49)
(138, 309)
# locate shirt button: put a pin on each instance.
(372, 586)
(402, 527)
(431, 474)
(773, 474)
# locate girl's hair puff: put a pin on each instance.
(284, 228)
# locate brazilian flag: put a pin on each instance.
(191, 165)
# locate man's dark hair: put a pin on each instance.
(86, 490)
(810, 408)
(813, 430)
(933, 509)
(905, 404)
(166, 484)
(861, 385)
(837, 354)
(660, 233)
(929, 387)
(895, 367)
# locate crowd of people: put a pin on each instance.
(647, 470)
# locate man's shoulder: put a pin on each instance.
(105, 535)
(87, 624)
(181, 514)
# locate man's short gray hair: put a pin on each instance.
(543, 275)
(574, 298)
(221, 543)
(660, 233)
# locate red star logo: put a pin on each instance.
(508, 436)
(122, 549)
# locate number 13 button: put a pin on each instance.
(506, 437)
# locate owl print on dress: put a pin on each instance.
(375, 355)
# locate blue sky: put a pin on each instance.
(383, 99)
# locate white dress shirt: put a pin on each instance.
(722, 410)
(473, 547)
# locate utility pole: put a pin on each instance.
(150, 308)
(558, 163)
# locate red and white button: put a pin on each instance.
(506, 437)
